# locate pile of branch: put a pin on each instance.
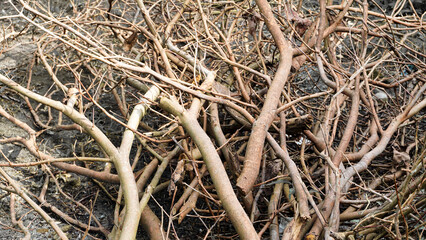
(289, 120)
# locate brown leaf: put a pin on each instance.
(252, 25)
(253, 19)
(301, 24)
(130, 41)
(171, 187)
(400, 157)
(298, 62)
(222, 89)
(177, 174)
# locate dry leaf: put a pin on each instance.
(252, 25)
(222, 89)
(130, 41)
(298, 62)
(253, 19)
(301, 24)
(400, 157)
(171, 188)
(176, 176)
(310, 237)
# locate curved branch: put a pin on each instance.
(232, 206)
(124, 169)
(257, 138)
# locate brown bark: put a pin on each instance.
(256, 142)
